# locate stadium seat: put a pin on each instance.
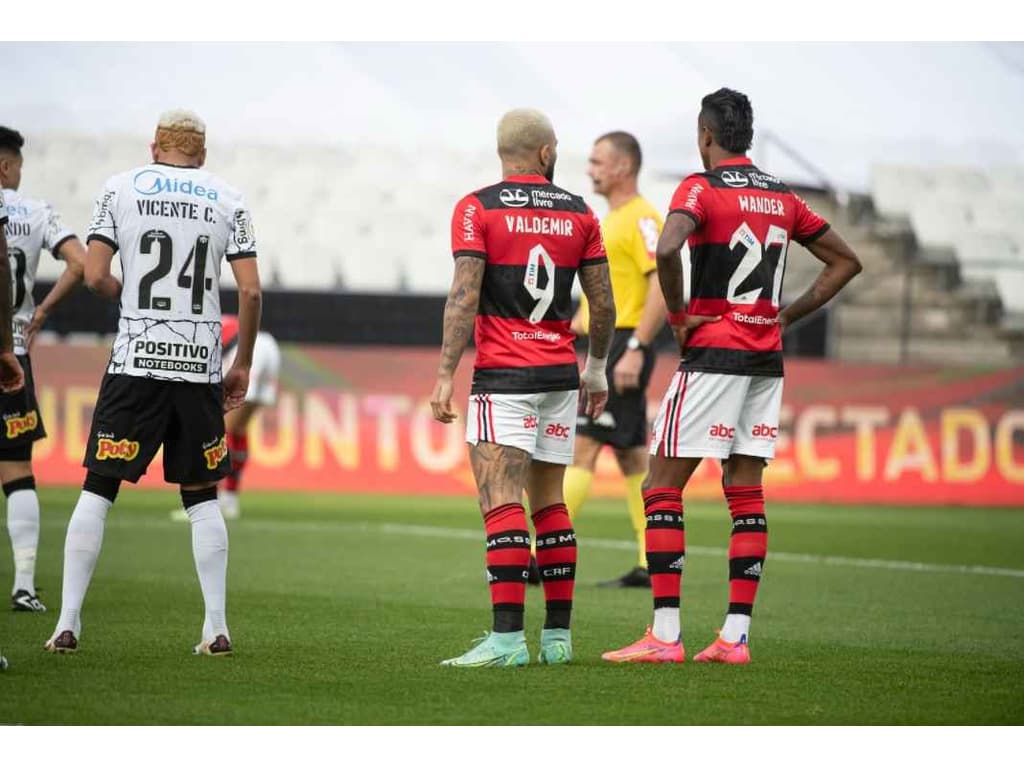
(895, 189)
(938, 218)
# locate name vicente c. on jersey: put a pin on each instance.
(534, 237)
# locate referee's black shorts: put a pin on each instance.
(624, 421)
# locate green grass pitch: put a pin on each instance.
(341, 607)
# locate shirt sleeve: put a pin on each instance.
(807, 225)
(645, 248)
(468, 229)
(103, 226)
(594, 252)
(688, 199)
(55, 234)
(242, 242)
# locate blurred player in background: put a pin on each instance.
(263, 376)
(630, 232)
(518, 246)
(724, 401)
(32, 226)
(173, 223)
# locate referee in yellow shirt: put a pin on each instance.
(630, 232)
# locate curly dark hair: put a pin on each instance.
(11, 140)
(730, 118)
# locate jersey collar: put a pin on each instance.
(528, 178)
(734, 161)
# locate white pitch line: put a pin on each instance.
(469, 534)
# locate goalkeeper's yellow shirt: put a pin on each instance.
(630, 235)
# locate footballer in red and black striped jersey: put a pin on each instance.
(745, 220)
(534, 236)
(725, 400)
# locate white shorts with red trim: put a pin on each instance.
(718, 414)
(543, 424)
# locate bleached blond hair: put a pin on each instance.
(523, 131)
(181, 130)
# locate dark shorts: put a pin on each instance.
(624, 421)
(22, 422)
(134, 416)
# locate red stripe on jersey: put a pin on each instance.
(512, 342)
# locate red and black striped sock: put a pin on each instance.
(508, 563)
(238, 450)
(666, 544)
(556, 559)
(748, 545)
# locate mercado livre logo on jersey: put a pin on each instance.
(152, 181)
(215, 453)
(19, 425)
(109, 448)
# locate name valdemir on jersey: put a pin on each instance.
(539, 225)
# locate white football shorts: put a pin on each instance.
(543, 424)
(266, 366)
(718, 414)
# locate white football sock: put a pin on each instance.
(81, 550)
(736, 627)
(23, 526)
(666, 624)
(210, 549)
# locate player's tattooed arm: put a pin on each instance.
(460, 311)
(678, 227)
(597, 287)
(841, 266)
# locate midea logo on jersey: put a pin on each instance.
(514, 198)
(735, 179)
(153, 182)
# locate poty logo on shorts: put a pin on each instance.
(766, 432)
(722, 432)
(19, 425)
(125, 450)
(216, 453)
(529, 422)
(560, 431)
(152, 182)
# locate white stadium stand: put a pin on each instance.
(366, 219)
(979, 213)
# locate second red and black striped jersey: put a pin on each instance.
(534, 237)
(745, 220)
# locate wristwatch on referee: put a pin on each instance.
(634, 344)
